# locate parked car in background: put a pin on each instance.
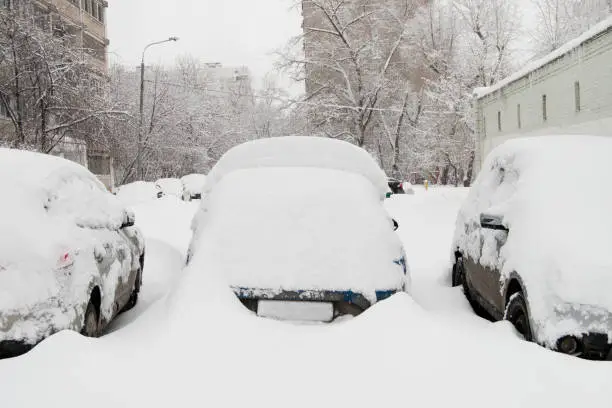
(320, 246)
(395, 186)
(70, 255)
(169, 187)
(399, 187)
(136, 192)
(193, 185)
(532, 242)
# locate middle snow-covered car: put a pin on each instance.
(298, 228)
(169, 187)
(193, 184)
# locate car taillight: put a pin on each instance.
(65, 260)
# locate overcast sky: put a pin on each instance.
(233, 32)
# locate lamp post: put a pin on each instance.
(140, 130)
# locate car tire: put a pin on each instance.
(458, 272)
(517, 313)
(91, 321)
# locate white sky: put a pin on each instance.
(233, 32)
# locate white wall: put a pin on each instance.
(590, 65)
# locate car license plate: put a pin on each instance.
(296, 310)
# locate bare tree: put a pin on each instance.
(49, 88)
(559, 21)
(352, 55)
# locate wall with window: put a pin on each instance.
(570, 95)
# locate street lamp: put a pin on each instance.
(140, 132)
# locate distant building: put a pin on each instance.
(223, 78)
(565, 92)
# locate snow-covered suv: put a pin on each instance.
(70, 255)
(298, 228)
(533, 239)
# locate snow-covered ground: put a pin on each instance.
(190, 343)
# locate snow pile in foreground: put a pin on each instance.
(201, 347)
(560, 237)
(298, 228)
(300, 151)
(136, 192)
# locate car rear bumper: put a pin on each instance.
(248, 296)
(13, 348)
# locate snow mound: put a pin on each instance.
(300, 151)
(137, 192)
(298, 228)
(560, 238)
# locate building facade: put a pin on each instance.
(85, 22)
(565, 92)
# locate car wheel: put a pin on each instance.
(458, 272)
(517, 313)
(90, 322)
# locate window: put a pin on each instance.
(499, 126)
(544, 110)
(518, 116)
(100, 12)
(577, 95)
(484, 126)
(94, 11)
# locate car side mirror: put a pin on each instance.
(129, 219)
(395, 224)
(492, 222)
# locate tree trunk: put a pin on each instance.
(444, 175)
(470, 170)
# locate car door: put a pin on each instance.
(483, 274)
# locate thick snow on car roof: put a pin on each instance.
(554, 194)
(29, 169)
(300, 151)
(298, 229)
(171, 186)
(194, 183)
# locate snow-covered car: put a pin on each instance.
(136, 192)
(399, 187)
(298, 228)
(169, 186)
(70, 255)
(532, 241)
(193, 185)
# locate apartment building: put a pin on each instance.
(85, 21)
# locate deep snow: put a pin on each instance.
(199, 347)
